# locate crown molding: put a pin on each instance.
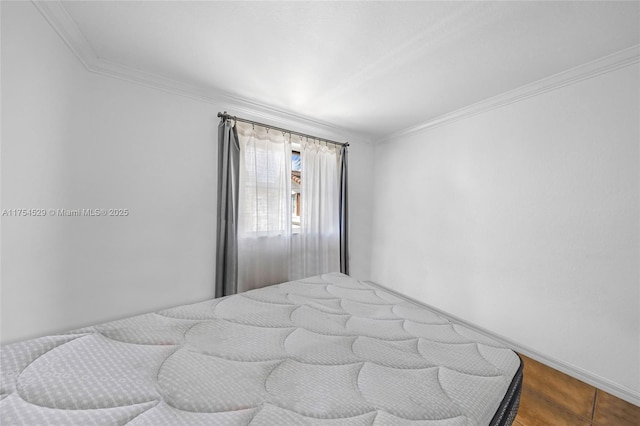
(60, 20)
(630, 395)
(617, 60)
(64, 25)
(234, 104)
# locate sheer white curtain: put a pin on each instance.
(264, 210)
(316, 249)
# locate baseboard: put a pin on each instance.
(601, 383)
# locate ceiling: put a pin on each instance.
(373, 68)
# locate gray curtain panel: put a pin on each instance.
(227, 226)
(344, 212)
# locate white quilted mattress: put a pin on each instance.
(327, 350)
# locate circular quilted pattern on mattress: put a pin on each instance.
(327, 350)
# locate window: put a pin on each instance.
(296, 189)
(257, 247)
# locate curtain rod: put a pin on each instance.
(226, 116)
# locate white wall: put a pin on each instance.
(524, 220)
(73, 139)
(70, 140)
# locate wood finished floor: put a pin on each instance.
(551, 398)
